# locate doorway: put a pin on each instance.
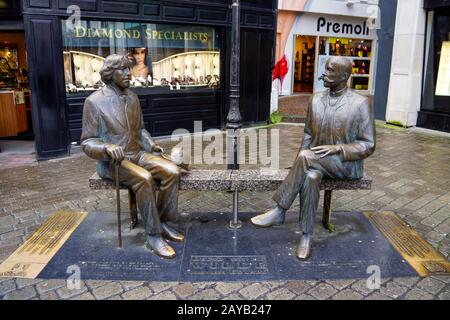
(16, 124)
(305, 60)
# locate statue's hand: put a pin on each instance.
(116, 153)
(157, 149)
(325, 151)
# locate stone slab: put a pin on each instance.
(213, 252)
(201, 180)
(240, 180)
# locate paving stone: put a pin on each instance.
(48, 285)
(274, 284)
(297, 287)
(7, 286)
(377, 296)
(158, 287)
(128, 285)
(184, 290)
(107, 291)
(92, 284)
(445, 295)
(417, 294)
(6, 228)
(66, 293)
(140, 293)
(322, 291)
(361, 287)
(84, 296)
(225, 288)
(445, 279)
(280, 294)
(166, 295)
(207, 294)
(407, 282)
(12, 234)
(49, 295)
(348, 294)
(340, 284)
(431, 285)
(22, 283)
(25, 293)
(233, 296)
(393, 290)
(253, 291)
(305, 297)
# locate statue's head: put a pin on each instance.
(116, 69)
(337, 71)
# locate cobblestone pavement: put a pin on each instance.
(411, 177)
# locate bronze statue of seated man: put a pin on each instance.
(114, 132)
(339, 135)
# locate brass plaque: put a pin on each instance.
(413, 248)
(32, 257)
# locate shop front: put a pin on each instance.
(15, 101)
(180, 52)
(316, 37)
(311, 31)
(435, 106)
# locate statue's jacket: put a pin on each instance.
(350, 124)
(110, 119)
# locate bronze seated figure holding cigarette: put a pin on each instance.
(113, 133)
(339, 135)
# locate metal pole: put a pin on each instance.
(234, 119)
(119, 220)
(235, 223)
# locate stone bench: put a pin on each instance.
(240, 180)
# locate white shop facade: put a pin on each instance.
(317, 36)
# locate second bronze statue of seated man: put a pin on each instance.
(114, 132)
(339, 135)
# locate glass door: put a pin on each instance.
(304, 64)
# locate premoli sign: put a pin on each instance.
(325, 25)
(333, 26)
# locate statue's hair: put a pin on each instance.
(345, 65)
(111, 64)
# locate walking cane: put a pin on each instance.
(119, 221)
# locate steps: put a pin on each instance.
(294, 108)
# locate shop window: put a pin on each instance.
(443, 79)
(436, 91)
(179, 57)
(357, 50)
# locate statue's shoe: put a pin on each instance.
(160, 247)
(171, 234)
(271, 218)
(304, 247)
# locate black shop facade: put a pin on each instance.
(434, 113)
(180, 51)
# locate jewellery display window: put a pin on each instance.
(359, 51)
(178, 57)
(8, 78)
(9, 53)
